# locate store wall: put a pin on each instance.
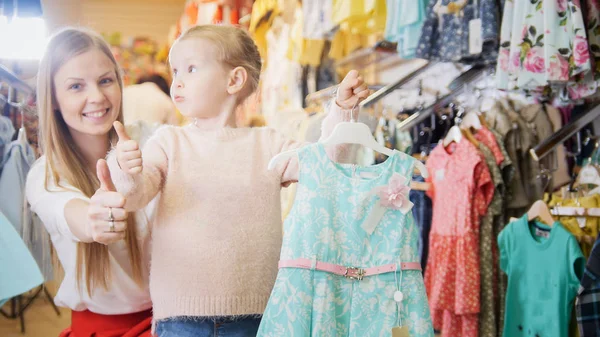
(150, 18)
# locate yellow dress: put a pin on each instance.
(585, 229)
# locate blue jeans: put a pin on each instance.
(207, 327)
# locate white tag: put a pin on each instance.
(542, 233)
(377, 213)
(439, 174)
(581, 222)
(475, 42)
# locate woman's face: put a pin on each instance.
(88, 93)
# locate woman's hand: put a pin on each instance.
(351, 90)
(107, 217)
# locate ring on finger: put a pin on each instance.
(111, 226)
(110, 214)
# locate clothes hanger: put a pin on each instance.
(471, 120)
(470, 137)
(540, 210)
(351, 132)
(453, 135)
(22, 136)
(589, 175)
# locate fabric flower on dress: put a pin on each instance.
(393, 196)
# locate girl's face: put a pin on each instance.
(88, 94)
(199, 78)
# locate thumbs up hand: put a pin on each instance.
(129, 155)
(106, 213)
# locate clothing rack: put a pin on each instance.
(381, 93)
(328, 92)
(381, 50)
(547, 145)
(457, 87)
(19, 304)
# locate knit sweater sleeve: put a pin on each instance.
(342, 153)
(140, 189)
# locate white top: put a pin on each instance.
(124, 296)
(146, 102)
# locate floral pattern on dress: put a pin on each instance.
(452, 277)
(325, 224)
(544, 43)
(488, 256)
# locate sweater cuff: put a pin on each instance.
(122, 180)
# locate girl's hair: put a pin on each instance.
(64, 159)
(236, 49)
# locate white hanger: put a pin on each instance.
(471, 120)
(351, 133)
(589, 175)
(454, 135)
(22, 136)
(539, 209)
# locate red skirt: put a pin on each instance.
(88, 324)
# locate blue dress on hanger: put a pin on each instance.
(328, 223)
(445, 37)
(19, 271)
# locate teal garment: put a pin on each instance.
(326, 224)
(403, 24)
(543, 278)
(18, 270)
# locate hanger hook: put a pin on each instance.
(352, 113)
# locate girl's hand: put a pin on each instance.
(351, 91)
(129, 155)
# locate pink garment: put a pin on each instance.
(488, 139)
(217, 234)
(461, 192)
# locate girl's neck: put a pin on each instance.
(225, 119)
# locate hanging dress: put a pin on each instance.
(544, 43)
(339, 220)
(461, 192)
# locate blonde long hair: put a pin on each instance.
(57, 144)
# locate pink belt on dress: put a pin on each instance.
(348, 272)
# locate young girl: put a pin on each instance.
(102, 251)
(217, 234)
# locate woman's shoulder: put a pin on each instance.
(37, 174)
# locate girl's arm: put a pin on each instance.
(138, 174)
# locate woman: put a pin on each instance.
(101, 249)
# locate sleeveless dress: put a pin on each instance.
(326, 224)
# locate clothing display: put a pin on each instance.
(453, 269)
(545, 43)
(403, 25)
(447, 29)
(422, 215)
(348, 229)
(20, 272)
(540, 295)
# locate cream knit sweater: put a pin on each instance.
(217, 234)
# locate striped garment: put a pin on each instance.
(588, 298)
